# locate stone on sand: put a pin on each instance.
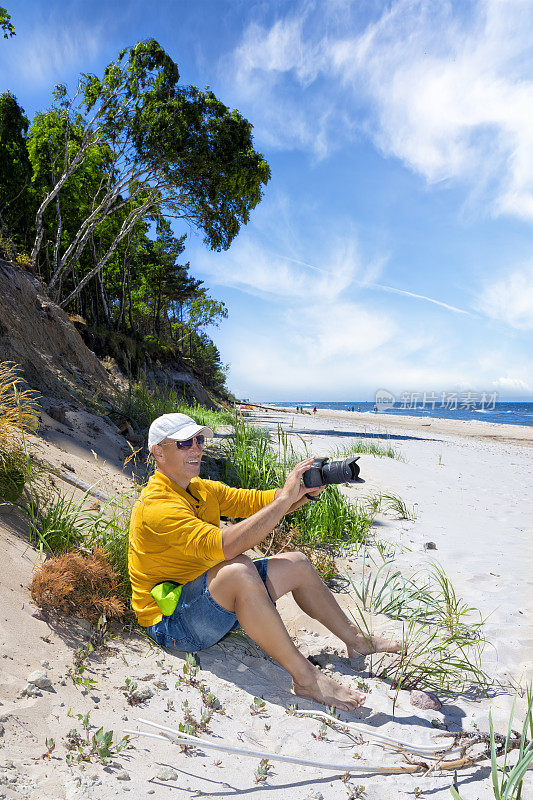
(425, 700)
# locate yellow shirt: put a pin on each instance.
(175, 533)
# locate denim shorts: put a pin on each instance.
(198, 621)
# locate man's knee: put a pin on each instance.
(298, 560)
(236, 570)
(240, 564)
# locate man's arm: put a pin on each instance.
(242, 536)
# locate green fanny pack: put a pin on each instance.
(166, 595)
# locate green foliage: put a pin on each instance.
(56, 138)
(15, 174)
(5, 23)
(143, 404)
(332, 520)
(176, 151)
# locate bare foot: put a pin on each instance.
(362, 645)
(325, 690)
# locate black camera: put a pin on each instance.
(323, 472)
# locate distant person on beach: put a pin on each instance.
(175, 537)
(314, 410)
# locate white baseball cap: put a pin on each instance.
(175, 426)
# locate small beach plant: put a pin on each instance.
(257, 706)
(76, 671)
(393, 503)
(507, 781)
(262, 771)
(99, 745)
(50, 747)
(442, 636)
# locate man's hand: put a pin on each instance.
(317, 491)
(248, 532)
(294, 489)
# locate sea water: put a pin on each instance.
(508, 413)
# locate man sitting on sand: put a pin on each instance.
(175, 535)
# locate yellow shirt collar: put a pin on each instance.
(196, 487)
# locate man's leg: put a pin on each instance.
(237, 587)
(293, 572)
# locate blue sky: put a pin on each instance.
(393, 245)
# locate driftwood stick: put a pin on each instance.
(428, 750)
(168, 734)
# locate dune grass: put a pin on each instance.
(395, 505)
(332, 520)
(250, 461)
(442, 636)
(373, 447)
(18, 414)
(143, 403)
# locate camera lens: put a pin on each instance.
(324, 472)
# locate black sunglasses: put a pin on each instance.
(187, 443)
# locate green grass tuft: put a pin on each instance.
(143, 403)
(442, 637)
(332, 520)
(370, 447)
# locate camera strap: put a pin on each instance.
(311, 497)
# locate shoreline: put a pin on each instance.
(378, 424)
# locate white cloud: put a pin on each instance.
(271, 259)
(512, 384)
(453, 96)
(510, 299)
(287, 360)
(447, 89)
(269, 71)
(422, 297)
(52, 48)
(339, 330)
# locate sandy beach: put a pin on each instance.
(470, 484)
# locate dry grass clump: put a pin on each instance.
(284, 541)
(78, 583)
(18, 407)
